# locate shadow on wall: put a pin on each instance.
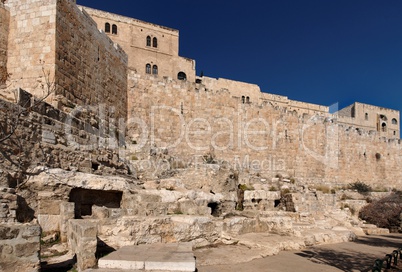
(84, 199)
(24, 213)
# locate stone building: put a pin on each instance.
(152, 49)
(53, 44)
(369, 117)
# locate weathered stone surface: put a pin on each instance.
(49, 222)
(57, 177)
(27, 249)
(49, 207)
(8, 232)
(156, 257)
(20, 248)
(82, 235)
(31, 231)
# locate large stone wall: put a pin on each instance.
(192, 120)
(54, 46)
(4, 22)
(31, 44)
(47, 137)
(91, 69)
(20, 246)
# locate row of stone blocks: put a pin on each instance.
(8, 205)
(155, 257)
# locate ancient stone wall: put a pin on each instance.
(57, 48)
(47, 137)
(20, 245)
(8, 205)
(193, 121)
(4, 22)
(31, 44)
(91, 69)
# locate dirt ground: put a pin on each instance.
(353, 256)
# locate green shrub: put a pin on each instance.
(344, 197)
(285, 192)
(323, 188)
(209, 158)
(361, 187)
(273, 188)
(292, 180)
(380, 189)
(246, 187)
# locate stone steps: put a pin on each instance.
(154, 257)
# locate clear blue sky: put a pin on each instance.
(318, 51)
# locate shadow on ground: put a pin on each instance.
(63, 266)
(385, 241)
(351, 260)
(347, 262)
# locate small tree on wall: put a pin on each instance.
(8, 128)
(15, 149)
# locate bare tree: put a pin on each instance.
(9, 127)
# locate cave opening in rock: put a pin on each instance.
(84, 199)
(215, 210)
(95, 166)
(277, 202)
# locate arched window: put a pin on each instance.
(384, 127)
(181, 76)
(114, 29)
(155, 42)
(243, 99)
(148, 68)
(107, 28)
(247, 99)
(394, 121)
(148, 41)
(155, 70)
(366, 116)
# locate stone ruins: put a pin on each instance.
(110, 140)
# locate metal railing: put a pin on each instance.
(387, 260)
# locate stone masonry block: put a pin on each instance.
(27, 249)
(31, 231)
(8, 232)
(49, 207)
(49, 222)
